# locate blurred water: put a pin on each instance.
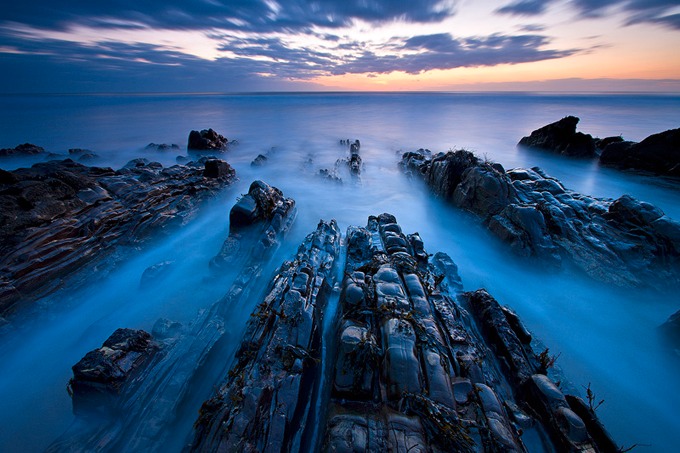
(605, 336)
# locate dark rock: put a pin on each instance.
(59, 216)
(561, 137)
(76, 152)
(602, 143)
(625, 242)
(162, 147)
(27, 149)
(87, 157)
(104, 374)
(183, 160)
(260, 406)
(155, 273)
(658, 153)
(216, 168)
(259, 161)
(263, 207)
(330, 175)
(206, 140)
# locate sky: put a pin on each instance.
(83, 46)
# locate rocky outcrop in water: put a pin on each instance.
(409, 371)
(263, 211)
(138, 418)
(60, 215)
(206, 140)
(561, 137)
(624, 241)
(671, 330)
(103, 374)
(409, 364)
(27, 149)
(162, 147)
(266, 400)
(658, 153)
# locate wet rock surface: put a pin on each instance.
(206, 140)
(412, 369)
(60, 215)
(27, 149)
(561, 137)
(264, 211)
(624, 241)
(266, 399)
(163, 385)
(104, 374)
(658, 153)
(410, 363)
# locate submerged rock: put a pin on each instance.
(27, 149)
(58, 216)
(259, 161)
(561, 137)
(658, 153)
(625, 241)
(162, 147)
(206, 140)
(262, 211)
(103, 375)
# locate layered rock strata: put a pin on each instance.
(624, 241)
(265, 401)
(415, 372)
(60, 215)
(151, 396)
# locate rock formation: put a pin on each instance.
(658, 153)
(27, 149)
(408, 364)
(410, 371)
(265, 402)
(60, 215)
(206, 140)
(561, 137)
(263, 211)
(149, 400)
(624, 241)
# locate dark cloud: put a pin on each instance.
(638, 11)
(525, 7)
(256, 15)
(442, 51)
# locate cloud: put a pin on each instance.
(636, 11)
(254, 15)
(443, 51)
(525, 8)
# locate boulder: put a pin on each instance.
(561, 137)
(27, 149)
(206, 140)
(162, 147)
(259, 161)
(217, 168)
(658, 153)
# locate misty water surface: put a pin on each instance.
(605, 336)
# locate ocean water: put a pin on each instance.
(605, 337)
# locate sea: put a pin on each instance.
(605, 338)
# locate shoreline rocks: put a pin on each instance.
(561, 137)
(408, 363)
(58, 216)
(26, 149)
(659, 153)
(206, 140)
(625, 242)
